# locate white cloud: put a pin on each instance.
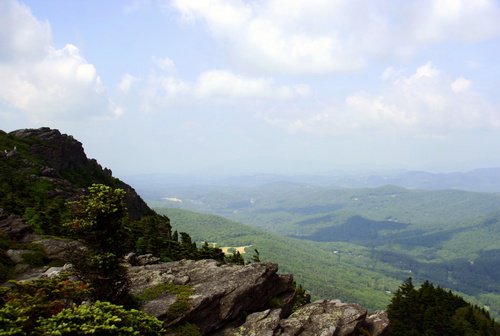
(318, 36)
(165, 64)
(258, 34)
(464, 20)
(215, 87)
(22, 36)
(425, 102)
(225, 84)
(126, 83)
(43, 82)
(389, 73)
(460, 85)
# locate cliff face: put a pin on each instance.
(58, 151)
(61, 159)
(234, 300)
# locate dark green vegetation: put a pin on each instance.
(431, 310)
(55, 307)
(99, 220)
(449, 237)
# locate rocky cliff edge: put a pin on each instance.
(235, 300)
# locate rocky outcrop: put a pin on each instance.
(222, 295)
(377, 323)
(141, 260)
(16, 228)
(51, 251)
(60, 249)
(58, 151)
(325, 318)
(61, 156)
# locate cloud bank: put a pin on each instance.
(425, 102)
(324, 36)
(41, 81)
(213, 87)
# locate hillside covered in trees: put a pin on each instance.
(449, 237)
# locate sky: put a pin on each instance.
(275, 86)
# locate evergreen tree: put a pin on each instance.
(99, 220)
(431, 311)
(235, 258)
(256, 256)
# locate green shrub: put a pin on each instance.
(34, 258)
(275, 302)
(54, 307)
(301, 297)
(6, 267)
(24, 304)
(101, 318)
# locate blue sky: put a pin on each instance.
(276, 86)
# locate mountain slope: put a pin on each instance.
(326, 271)
(346, 270)
(42, 165)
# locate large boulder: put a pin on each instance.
(320, 318)
(325, 318)
(17, 256)
(16, 228)
(220, 293)
(60, 249)
(377, 323)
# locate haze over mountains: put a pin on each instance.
(478, 180)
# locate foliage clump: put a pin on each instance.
(301, 297)
(99, 219)
(431, 310)
(57, 307)
(24, 304)
(235, 258)
(100, 318)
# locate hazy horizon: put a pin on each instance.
(237, 87)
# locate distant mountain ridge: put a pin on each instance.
(477, 180)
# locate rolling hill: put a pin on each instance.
(449, 237)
